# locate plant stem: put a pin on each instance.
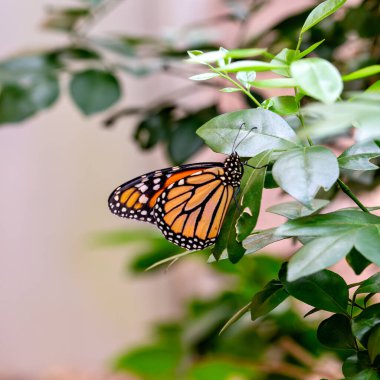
(348, 191)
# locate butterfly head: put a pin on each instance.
(233, 169)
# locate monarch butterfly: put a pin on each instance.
(187, 203)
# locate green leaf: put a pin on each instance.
(250, 199)
(317, 78)
(357, 261)
(245, 53)
(302, 172)
(284, 105)
(230, 89)
(275, 83)
(267, 299)
(267, 131)
(250, 66)
(162, 361)
(365, 321)
(94, 90)
(197, 56)
(374, 343)
(362, 73)
(246, 77)
(320, 12)
(335, 332)
(294, 210)
(370, 285)
(235, 317)
(260, 239)
(374, 87)
(204, 76)
(285, 57)
(367, 374)
(368, 243)
(309, 50)
(331, 223)
(320, 253)
(358, 155)
(356, 363)
(324, 290)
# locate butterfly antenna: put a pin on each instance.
(236, 137)
(244, 137)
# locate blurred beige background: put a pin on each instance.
(64, 303)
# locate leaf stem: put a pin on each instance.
(348, 191)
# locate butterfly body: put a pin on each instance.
(187, 203)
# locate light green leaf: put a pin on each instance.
(309, 50)
(246, 78)
(362, 73)
(293, 210)
(317, 78)
(368, 243)
(275, 83)
(320, 12)
(250, 199)
(197, 56)
(262, 130)
(94, 90)
(374, 87)
(319, 254)
(284, 105)
(245, 53)
(302, 172)
(230, 89)
(285, 57)
(204, 76)
(358, 156)
(250, 66)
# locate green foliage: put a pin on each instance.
(291, 140)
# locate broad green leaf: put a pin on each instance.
(374, 343)
(370, 285)
(294, 210)
(250, 66)
(317, 78)
(204, 76)
(320, 253)
(365, 321)
(275, 83)
(246, 77)
(284, 57)
(267, 299)
(94, 90)
(374, 87)
(362, 73)
(368, 243)
(260, 239)
(302, 172)
(284, 105)
(358, 156)
(335, 332)
(367, 374)
(357, 261)
(309, 50)
(260, 130)
(333, 223)
(354, 364)
(320, 12)
(324, 290)
(217, 369)
(250, 199)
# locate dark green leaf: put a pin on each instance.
(357, 261)
(94, 90)
(320, 253)
(324, 290)
(367, 374)
(294, 210)
(356, 363)
(320, 12)
(267, 299)
(374, 343)
(358, 156)
(368, 243)
(365, 321)
(302, 172)
(267, 131)
(370, 285)
(251, 192)
(335, 332)
(317, 78)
